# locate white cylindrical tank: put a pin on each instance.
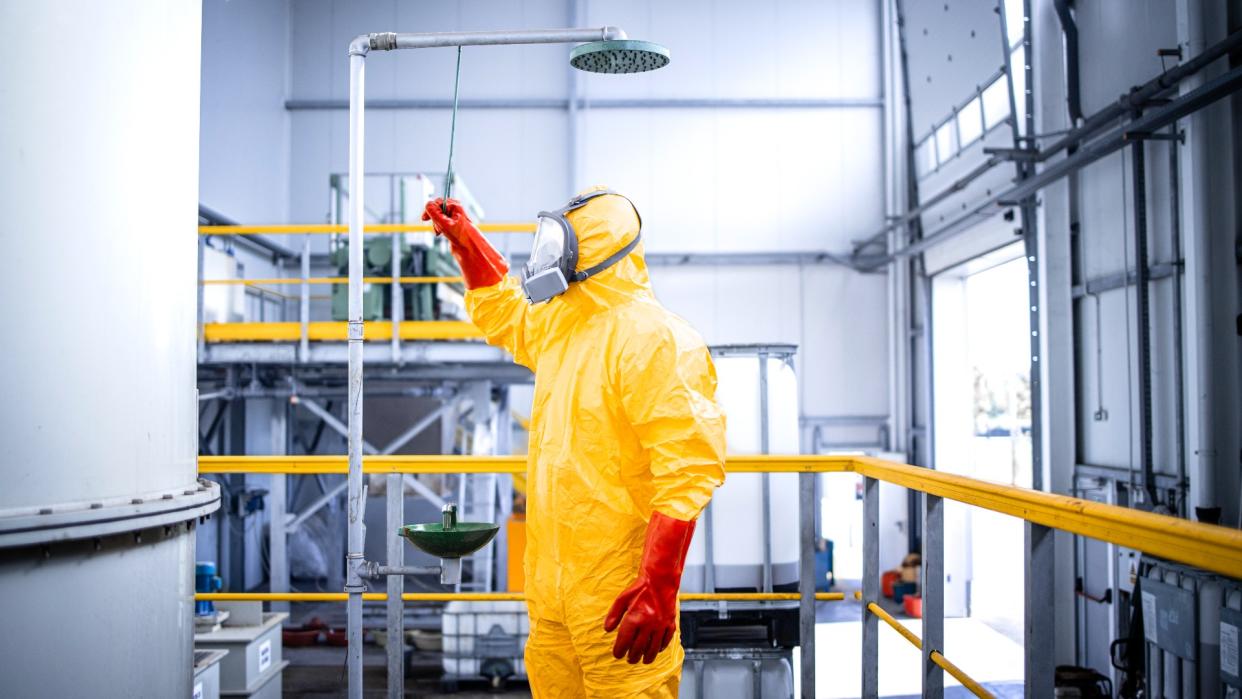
(736, 511)
(98, 484)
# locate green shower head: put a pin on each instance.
(619, 56)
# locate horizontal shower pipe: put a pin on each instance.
(489, 596)
(327, 228)
(936, 656)
(1211, 547)
(559, 103)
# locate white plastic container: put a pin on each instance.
(478, 634)
(737, 507)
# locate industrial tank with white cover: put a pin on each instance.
(98, 483)
(737, 511)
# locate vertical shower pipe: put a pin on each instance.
(354, 583)
(361, 45)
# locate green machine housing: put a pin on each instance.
(419, 301)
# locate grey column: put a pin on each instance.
(396, 586)
(933, 594)
(871, 588)
(304, 303)
(278, 559)
(806, 581)
(1039, 600)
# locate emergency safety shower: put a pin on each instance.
(605, 50)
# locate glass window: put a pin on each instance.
(946, 141)
(970, 122)
(1014, 22)
(1017, 62)
(996, 102)
(925, 157)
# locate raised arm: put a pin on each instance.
(494, 299)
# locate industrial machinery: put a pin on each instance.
(420, 254)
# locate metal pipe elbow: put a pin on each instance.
(361, 45)
(613, 34)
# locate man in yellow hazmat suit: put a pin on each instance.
(627, 443)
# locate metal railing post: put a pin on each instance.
(304, 304)
(398, 312)
(933, 594)
(806, 581)
(1039, 635)
(396, 586)
(871, 588)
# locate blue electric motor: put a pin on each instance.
(206, 580)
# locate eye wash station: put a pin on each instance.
(601, 50)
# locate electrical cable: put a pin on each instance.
(448, 171)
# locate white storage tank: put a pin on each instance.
(99, 187)
(756, 386)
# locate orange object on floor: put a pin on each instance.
(913, 605)
(886, 582)
(516, 531)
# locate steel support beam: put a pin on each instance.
(933, 594)
(806, 581)
(1039, 602)
(871, 588)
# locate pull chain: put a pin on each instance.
(448, 172)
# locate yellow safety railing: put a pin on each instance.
(489, 596)
(936, 656)
(338, 331)
(289, 281)
(328, 228)
(1211, 547)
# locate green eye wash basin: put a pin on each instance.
(450, 538)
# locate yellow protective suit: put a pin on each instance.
(624, 423)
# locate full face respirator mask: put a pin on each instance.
(553, 263)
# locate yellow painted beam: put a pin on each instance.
(337, 331)
(896, 625)
(370, 464)
(481, 596)
(410, 463)
(1214, 548)
(326, 228)
(289, 281)
(1207, 546)
(967, 681)
(936, 656)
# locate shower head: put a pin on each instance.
(619, 56)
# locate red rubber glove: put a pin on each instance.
(649, 606)
(481, 265)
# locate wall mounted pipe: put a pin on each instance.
(1138, 179)
(1069, 30)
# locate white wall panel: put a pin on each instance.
(731, 180)
(244, 141)
(734, 49)
(835, 316)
